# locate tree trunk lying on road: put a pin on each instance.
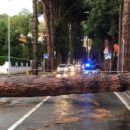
(40, 86)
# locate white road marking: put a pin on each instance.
(27, 114)
(122, 100)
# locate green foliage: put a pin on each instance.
(3, 59)
(14, 60)
(62, 39)
(41, 26)
(72, 13)
(41, 51)
(103, 18)
(102, 23)
(21, 23)
(3, 34)
(39, 8)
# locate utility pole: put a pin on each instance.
(9, 37)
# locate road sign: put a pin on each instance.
(45, 56)
(107, 55)
(105, 50)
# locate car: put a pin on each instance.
(62, 68)
(90, 69)
(70, 67)
(78, 67)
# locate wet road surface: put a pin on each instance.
(72, 112)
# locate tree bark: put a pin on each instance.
(48, 12)
(35, 38)
(125, 46)
(70, 57)
(41, 86)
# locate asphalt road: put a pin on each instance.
(108, 111)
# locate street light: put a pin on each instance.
(9, 37)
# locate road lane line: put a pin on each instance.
(122, 100)
(27, 114)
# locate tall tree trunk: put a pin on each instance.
(119, 64)
(52, 33)
(125, 46)
(35, 38)
(70, 57)
(48, 13)
(78, 40)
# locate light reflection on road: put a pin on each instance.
(62, 107)
(61, 75)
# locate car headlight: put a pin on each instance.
(58, 75)
(72, 68)
(72, 73)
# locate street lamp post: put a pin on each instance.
(9, 37)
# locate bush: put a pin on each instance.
(14, 60)
(3, 59)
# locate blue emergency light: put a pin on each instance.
(87, 65)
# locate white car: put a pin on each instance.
(62, 68)
(70, 67)
(78, 67)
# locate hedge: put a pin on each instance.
(14, 60)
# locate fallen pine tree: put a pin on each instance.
(27, 86)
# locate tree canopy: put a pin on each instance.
(97, 19)
(67, 22)
(20, 25)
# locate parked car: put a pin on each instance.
(62, 68)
